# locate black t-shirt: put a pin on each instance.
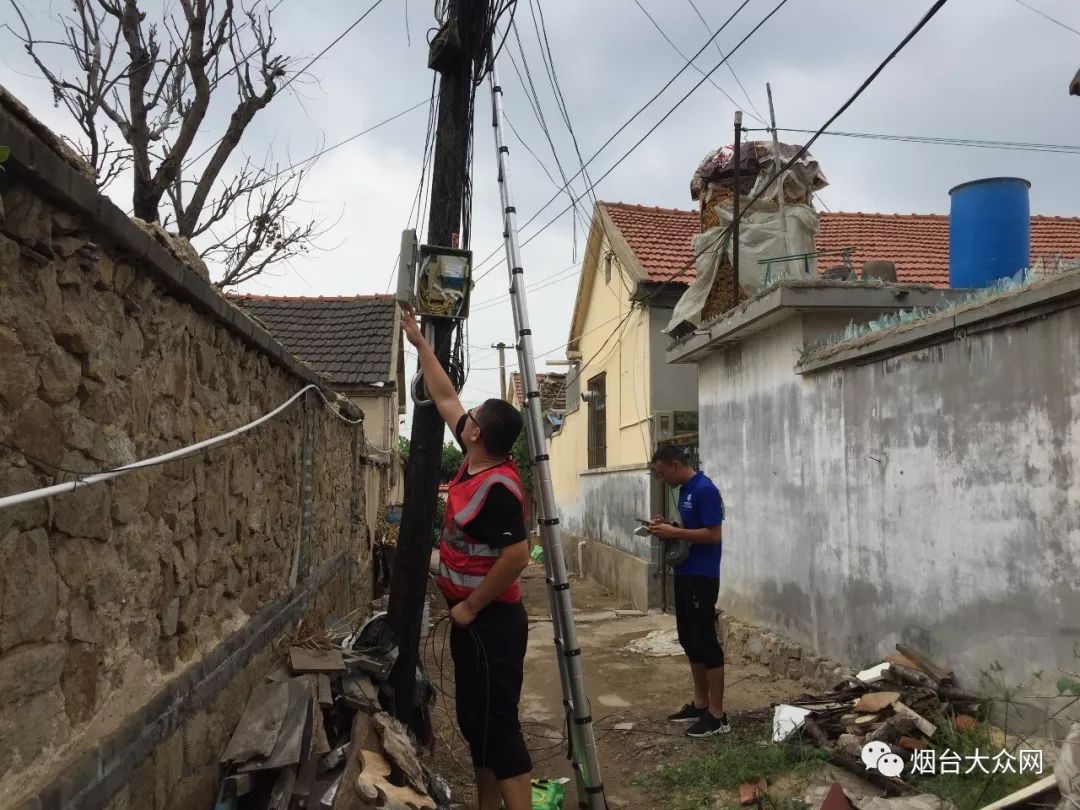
(501, 520)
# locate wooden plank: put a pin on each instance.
(294, 742)
(1021, 797)
(921, 723)
(939, 673)
(326, 694)
(302, 660)
(376, 773)
(364, 737)
(874, 702)
(260, 724)
(281, 795)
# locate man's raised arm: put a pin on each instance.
(437, 383)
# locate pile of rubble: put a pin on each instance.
(315, 735)
(896, 706)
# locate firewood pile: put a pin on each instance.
(900, 705)
(316, 733)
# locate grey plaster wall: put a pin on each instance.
(611, 501)
(929, 497)
(672, 387)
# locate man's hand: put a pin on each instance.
(412, 329)
(462, 615)
(663, 529)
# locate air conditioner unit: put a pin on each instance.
(663, 425)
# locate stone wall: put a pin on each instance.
(125, 607)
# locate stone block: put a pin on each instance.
(17, 378)
(197, 790)
(170, 617)
(84, 623)
(105, 404)
(28, 589)
(29, 670)
(59, 372)
(80, 682)
(191, 608)
(26, 516)
(755, 645)
(86, 512)
(37, 433)
(778, 664)
(105, 272)
(129, 497)
(130, 351)
(168, 651)
(197, 750)
(29, 727)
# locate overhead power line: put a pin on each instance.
(623, 127)
(1046, 16)
(731, 67)
(299, 73)
(1018, 146)
(684, 57)
(929, 15)
(654, 127)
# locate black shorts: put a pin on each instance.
(695, 618)
(489, 663)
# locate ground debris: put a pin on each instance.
(316, 735)
(872, 724)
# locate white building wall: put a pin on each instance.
(932, 497)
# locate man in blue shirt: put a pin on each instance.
(697, 586)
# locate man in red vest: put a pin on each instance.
(482, 551)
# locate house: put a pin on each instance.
(552, 397)
(355, 341)
(623, 397)
(616, 386)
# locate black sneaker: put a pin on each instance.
(687, 714)
(707, 725)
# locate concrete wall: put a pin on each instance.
(126, 607)
(674, 387)
(604, 517)
(930, 496)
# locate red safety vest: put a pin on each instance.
(463, 560)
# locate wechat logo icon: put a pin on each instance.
(877, 756)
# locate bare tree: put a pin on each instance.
(140, 94)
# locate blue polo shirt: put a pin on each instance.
(700, 505)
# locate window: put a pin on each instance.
(597, 401)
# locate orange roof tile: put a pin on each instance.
(917, 243)
(659, 237)
(552, 389)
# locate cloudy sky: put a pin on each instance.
(983, 69)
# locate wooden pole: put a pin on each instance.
(408, 581)
(736, 213)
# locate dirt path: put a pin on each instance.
(625, 688)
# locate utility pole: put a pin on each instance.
(736, 212)
(408, 581)
(502, 347)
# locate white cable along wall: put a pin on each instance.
(174, 455)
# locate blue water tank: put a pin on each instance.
(989, 231)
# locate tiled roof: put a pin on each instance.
(552, 390)
(349, 339)
(659, 237)
(917, 243)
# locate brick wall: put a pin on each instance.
(112, 350)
